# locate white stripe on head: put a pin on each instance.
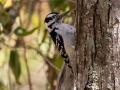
(50, 15)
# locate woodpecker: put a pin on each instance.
(62, 35)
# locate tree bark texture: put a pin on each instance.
(98, 44)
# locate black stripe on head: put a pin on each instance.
(50, 26)
(47, 19)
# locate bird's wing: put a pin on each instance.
(71, 29)
(71, 34)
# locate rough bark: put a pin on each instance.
(98, 44)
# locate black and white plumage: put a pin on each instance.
(63, 36)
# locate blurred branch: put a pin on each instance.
(32, 0)
(50, 44)
(35, 50)
(39, 27)
(44, 57)
(65, 79)
(28, 72)
(72, 1)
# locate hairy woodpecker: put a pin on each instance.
(62, 35)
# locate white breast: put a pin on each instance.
(67, 33)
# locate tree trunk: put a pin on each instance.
(98, 45)
(65, 79)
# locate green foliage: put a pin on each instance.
(57, 3)
(62, 4)
(3, 15)
(2, 87)
(60, 60)
(19, 31)
(14, 64)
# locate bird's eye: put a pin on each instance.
(54, 16)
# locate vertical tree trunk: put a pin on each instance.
(98, 44)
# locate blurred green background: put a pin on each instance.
(28, 57)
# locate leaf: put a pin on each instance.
(3, 15)
(19, 31)
(14, 64)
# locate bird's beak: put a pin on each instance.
(60, 16)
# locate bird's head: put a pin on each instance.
(53, 18)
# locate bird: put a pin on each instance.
(63, 35)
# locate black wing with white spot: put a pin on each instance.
(57, 39)
(61, 48)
